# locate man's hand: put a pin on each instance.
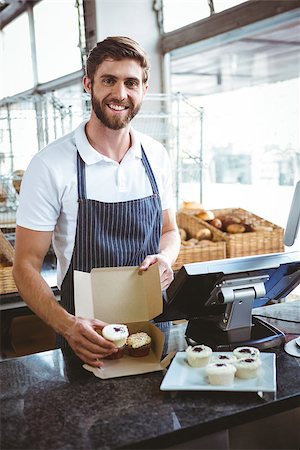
(88, 345)
(165, 269)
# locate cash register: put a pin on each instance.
(217, 297)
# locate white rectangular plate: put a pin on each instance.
(182, 377)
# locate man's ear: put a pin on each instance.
(145, 88)
(87, 84)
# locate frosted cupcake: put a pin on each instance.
(138, 344)
(198, 356)
(247, 367)
(116, 333)
(220, 373)
(245, 352)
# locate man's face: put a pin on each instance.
(117, 92)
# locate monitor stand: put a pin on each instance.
(260, 335)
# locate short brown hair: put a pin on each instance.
(116, 48)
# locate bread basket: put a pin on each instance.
(205, 251)
(268, 238)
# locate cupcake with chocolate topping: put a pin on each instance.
(245, 352)
(116, 333)
(247, 367)
(198, 355)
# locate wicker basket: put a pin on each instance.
(7, 283)
(206, 251)
(6, 249)
(251, 243)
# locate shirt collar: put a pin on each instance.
(91, 156)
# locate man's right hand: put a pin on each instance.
(88, 345)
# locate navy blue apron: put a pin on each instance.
(111, 234)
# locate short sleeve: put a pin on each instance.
(39, 204)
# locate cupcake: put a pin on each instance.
(245, 352)
(117, 334)
(220, 373)
(138, 344)
(229, 359)
(247, 367)
(198, 356)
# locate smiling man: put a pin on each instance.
(102, 194)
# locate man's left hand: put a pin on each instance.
(165, 269)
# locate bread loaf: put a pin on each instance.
(235, 228)
(182, 234)
(216, 222)
(192, 205)
(205, 215)
(204, 233)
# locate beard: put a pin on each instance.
(116, 122)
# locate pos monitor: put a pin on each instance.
(217, 297)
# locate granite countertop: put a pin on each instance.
(49, 401)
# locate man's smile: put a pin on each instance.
(115, 107)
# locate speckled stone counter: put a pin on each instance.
(48, 401)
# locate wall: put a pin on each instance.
(135, 19)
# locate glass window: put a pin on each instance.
(251, 147)
(231, 168)
(177, 13)
(16, 70)
(220, 5)
(57, 39)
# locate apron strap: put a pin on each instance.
(81, 181)
(149, 172)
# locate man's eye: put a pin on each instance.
(132, 83)
(108, 81)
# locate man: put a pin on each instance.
(102, 193)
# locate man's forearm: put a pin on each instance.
(170, 245)
(37, 294)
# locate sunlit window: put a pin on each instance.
(251, 147)
(16, 69)
(57, 39)
(186, 12)
(178, 13)
(220, 5)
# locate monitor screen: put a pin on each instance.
(207, 287)
(292, 230)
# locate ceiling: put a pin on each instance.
(266, 52)
(265, 58)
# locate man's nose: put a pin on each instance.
(119, 91)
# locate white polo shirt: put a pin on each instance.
(48, 197)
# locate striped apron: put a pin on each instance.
(111, 234)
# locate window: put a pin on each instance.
(178, 13)
(16, 71)
(57, 39)
(221, 5)
(251, 147)
(232, 168)
(186, 12)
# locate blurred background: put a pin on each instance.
(224, 91)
